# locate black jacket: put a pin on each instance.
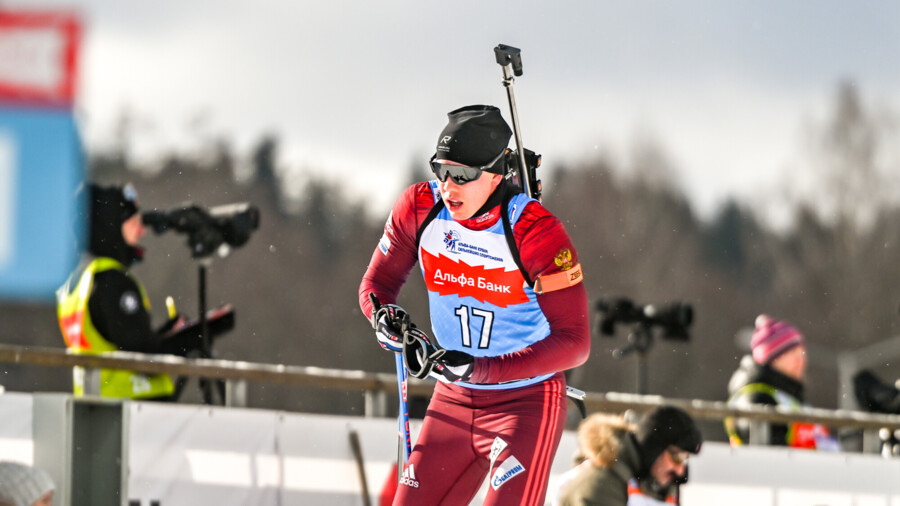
(118, 313)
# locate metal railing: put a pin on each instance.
(377, 386)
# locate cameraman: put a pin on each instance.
(104, 308)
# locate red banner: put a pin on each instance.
(497, 286)
(38, 57)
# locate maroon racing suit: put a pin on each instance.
(482, 428)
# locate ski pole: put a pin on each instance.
(360, 466)
(405, 445)
(404, 441)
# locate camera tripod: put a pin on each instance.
(213, 391)
(672, 319)
(206, 385)
(640, 340)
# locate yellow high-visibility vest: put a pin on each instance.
(83, 338)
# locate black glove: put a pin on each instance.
(424, 358)
(454, 366)
(419, 353)
(389, 322)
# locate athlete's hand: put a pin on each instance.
(419, 352)
(389, 322)
(453, 366)
(424, 358)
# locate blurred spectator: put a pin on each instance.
(578, 458)
(23, 485)
(628, 465)
(774, 375)
(598, 444)
(877, 396)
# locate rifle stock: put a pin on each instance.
(524, 163)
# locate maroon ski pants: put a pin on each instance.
(465, 428)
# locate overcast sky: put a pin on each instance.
(360, 88)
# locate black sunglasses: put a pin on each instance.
(460, 174)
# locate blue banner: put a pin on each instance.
(41, 224)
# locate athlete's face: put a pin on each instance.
(462, 200)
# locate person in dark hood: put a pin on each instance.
(878, 396)
(874, 394)
(103, 307)
(774, 375)
(632, 465)
(115, 226)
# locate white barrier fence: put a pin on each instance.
(198, 455)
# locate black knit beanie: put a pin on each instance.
(663, 427)
(474, 136)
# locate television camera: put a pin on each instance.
(672, 319)
(217, 229)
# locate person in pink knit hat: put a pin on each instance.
(774, 374)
